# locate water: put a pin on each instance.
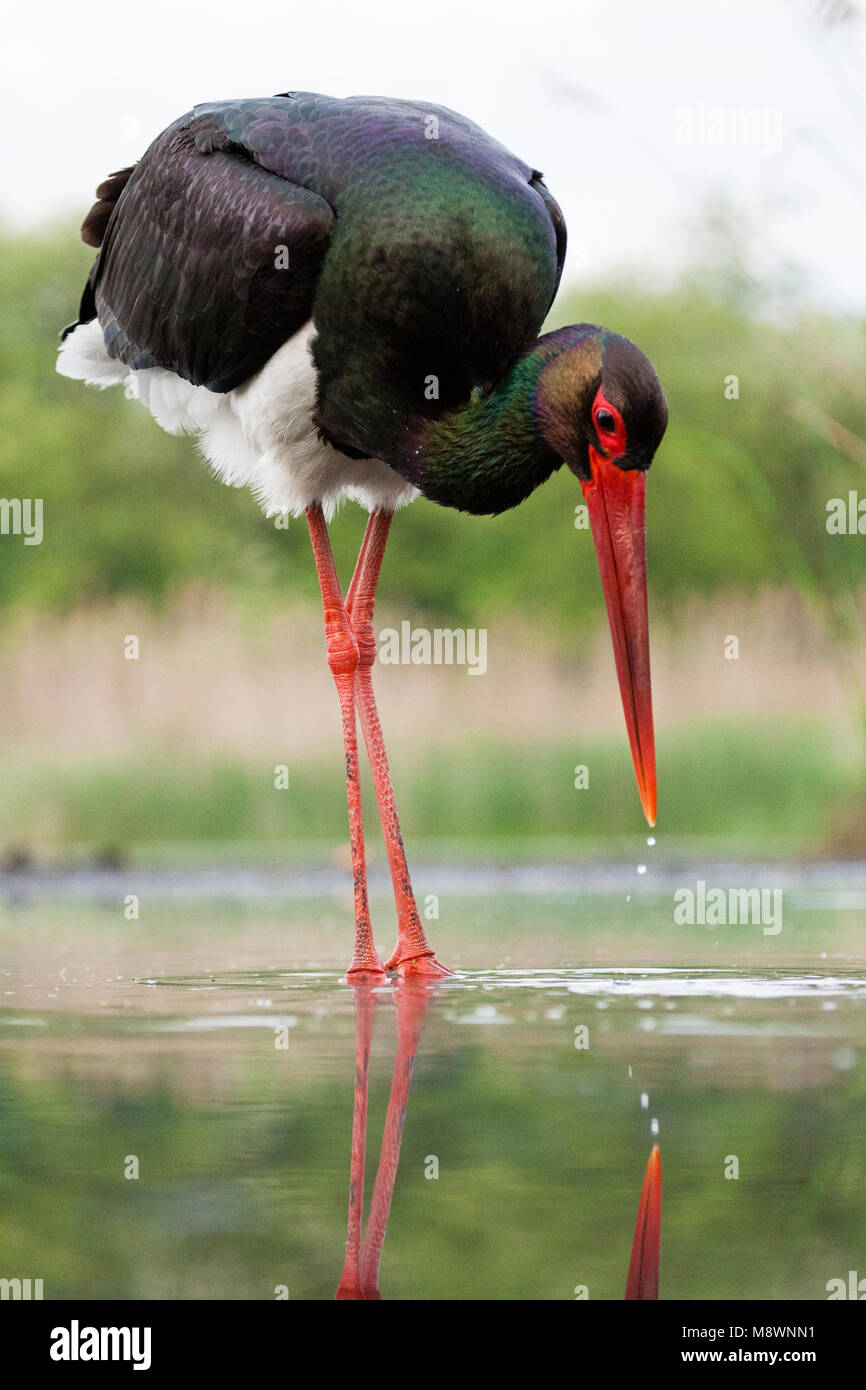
(210, 1046)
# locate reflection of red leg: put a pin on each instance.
(412, 997)
(643, 1269)
(350, 1280)
(412, 954)
(343, 660)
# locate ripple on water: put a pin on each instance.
(616, 981)
(663, 982)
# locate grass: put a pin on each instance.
(751, 790)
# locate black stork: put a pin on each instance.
(342, 298)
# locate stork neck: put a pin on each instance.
(490, 454)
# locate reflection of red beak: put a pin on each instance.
(617, 514)
(643, 1269)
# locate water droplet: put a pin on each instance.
(654, 1126)
(644, 1101)
(641, 868)
(628, 897)
(629, 1073)
(650, 839)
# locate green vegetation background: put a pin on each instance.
(737, 504)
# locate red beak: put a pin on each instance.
(643, 1269)
(617, 515)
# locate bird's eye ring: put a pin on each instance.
(609, 426)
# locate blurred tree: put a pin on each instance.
(738, 495)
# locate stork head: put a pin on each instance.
(600, 406)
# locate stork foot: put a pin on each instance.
(372, 974)
(416, 965)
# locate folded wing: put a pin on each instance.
(209, 261)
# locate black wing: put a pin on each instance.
(209, 261)
(556, 217)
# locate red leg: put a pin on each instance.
(350, 1280)
(342, 651)
(412, 1000)
(412, 954)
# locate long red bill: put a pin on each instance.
(643, 1269)
(617, 514)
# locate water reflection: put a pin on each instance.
(643, 1268)
(157, 1039)
(360, 1277)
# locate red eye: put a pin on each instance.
(609, 426)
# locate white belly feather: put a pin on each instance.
(261, 435)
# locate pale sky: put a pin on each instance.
(595, 94)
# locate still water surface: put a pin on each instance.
(210, 1045)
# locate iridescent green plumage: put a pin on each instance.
(426, 255)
